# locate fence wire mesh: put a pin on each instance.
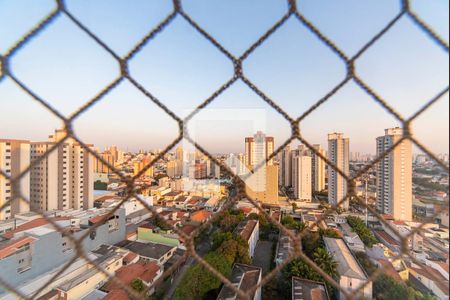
(294, 11)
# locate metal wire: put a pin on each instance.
(293, 11)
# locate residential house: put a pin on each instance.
(150, 251)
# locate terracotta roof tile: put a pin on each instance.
(30, 225)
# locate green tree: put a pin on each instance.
(294, 207)
(290, 223)
(296, 268)
(360, 228)
(219, 237)
(198, 281)
(138, 285)
(261, 218)
(387, 288)
(331, 233)
(235, 251)
(325, 261)
(310, 242)
(365, 262)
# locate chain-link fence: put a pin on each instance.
(293, 12)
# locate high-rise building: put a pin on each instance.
(14, 159)
(64, 179)
(286, 167)
(394, 176)
(252, 150)
(318, 169)
(338, 154)
(263, 184)
(139, 165)
(101, 167)
(198, 170)
(302, 177)
(174, 168)
(179, 155)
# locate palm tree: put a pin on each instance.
(325, 261)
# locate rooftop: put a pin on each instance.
(200, 216)
(246, 228)
(303, 289)
(145, 271)
(146, 250)
(243, 277)
(347, 264)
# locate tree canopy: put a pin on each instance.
(360, 228)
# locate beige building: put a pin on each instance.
(14, 159)
(394, 176)
(174, 168)
(139, 165)
(257, 146)
(339, 155)
(318, 169)
(302, 177)
(63, 179)
(263, 184)
(100, 167)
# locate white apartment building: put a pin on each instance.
(394, 176)
(302, 177)
(338, 154)
(64, 179)
(14, 159)
(318, 169)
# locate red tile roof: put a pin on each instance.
(145, 271)
(30, 225)
(188, 229)
(399, 222)
(98, 219)
(246, 210)
(201, 216)
(435, 276)
(389, 239)
(443, 265)
(11, 247)
(117, 295)
(129, 258)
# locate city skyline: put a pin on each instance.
(386, 67)
(147, 146)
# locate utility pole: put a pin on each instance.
(367, 210)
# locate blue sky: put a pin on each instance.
(65, 67)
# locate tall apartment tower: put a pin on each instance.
(252, 150)
(318, 169)
(339, 155)
(302, 177)
(102, 168)
(263, 184)
(286, 167)
(14, 159)
(63, 179)
(394, 176)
